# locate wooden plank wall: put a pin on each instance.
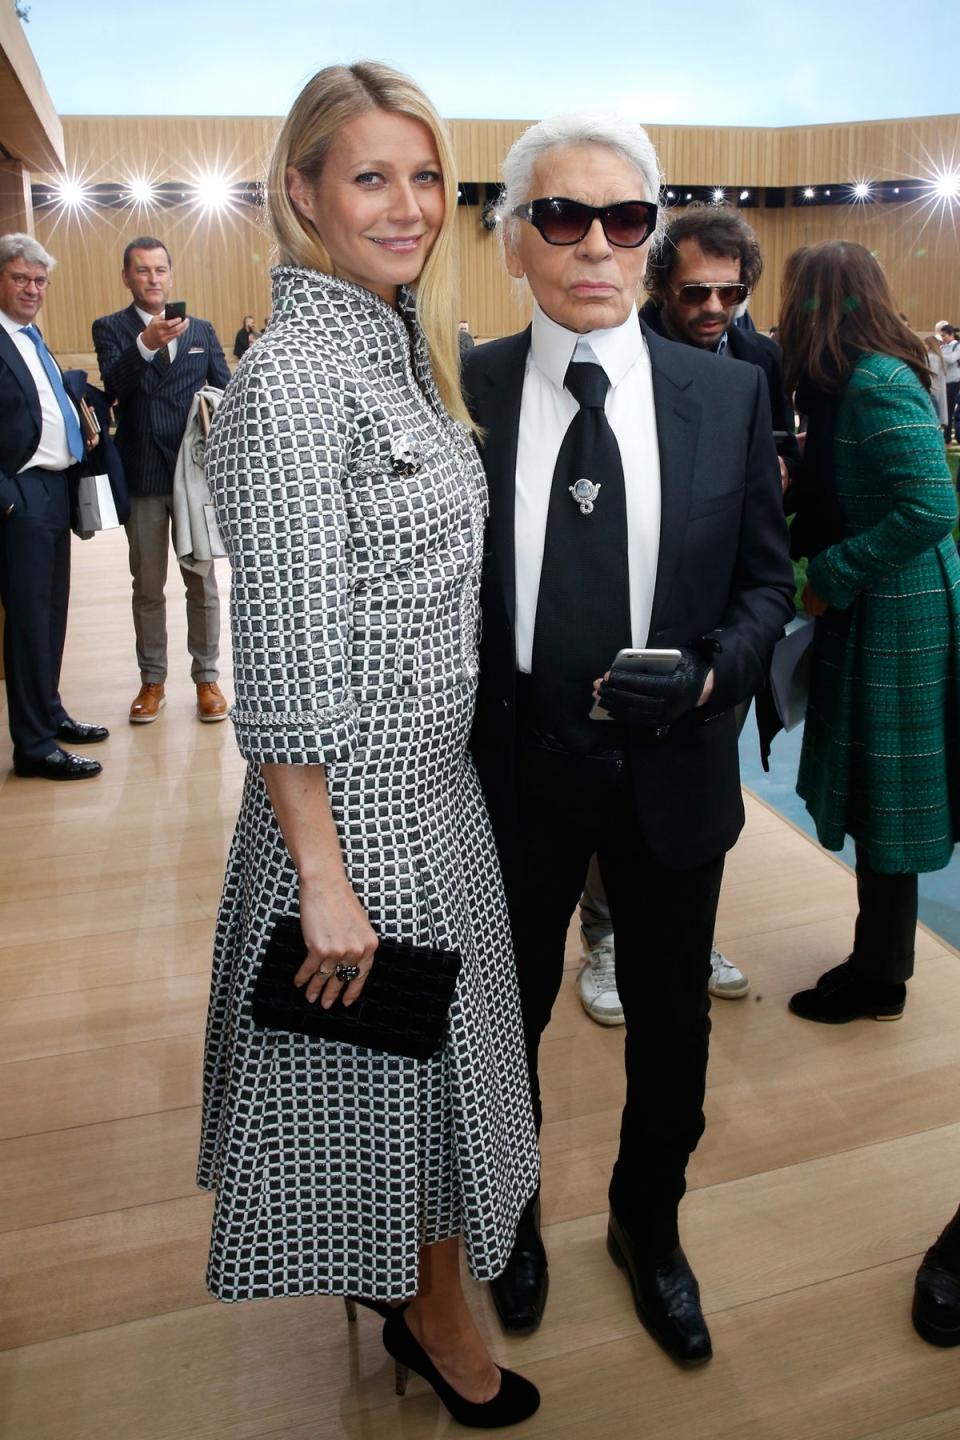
(222, 262)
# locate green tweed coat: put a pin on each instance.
(881, 745)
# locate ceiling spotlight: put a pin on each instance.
(141, 192)
(946, 185)
(688, 196)
(718, 195)
(744, 194)
(896, 189)
(809, 192)
(861, 190)
(671, 195)
(211, 191)
(71, 193)
(826, 192)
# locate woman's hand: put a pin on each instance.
(337, 932)
(812, 603)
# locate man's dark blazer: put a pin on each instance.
(153, 402)
(755, 349)
(723, 575)
(21, 420)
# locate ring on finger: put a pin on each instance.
(325, 974)
(347, 972)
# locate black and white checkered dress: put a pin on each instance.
(354, 618)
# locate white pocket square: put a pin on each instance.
(196, 350)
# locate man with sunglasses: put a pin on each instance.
(700, 273)
(634, 502)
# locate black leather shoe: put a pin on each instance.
(520, 1293)
(666, 1296)
(843, 994)
(936, 1291)
(58, 765)
(76, 733)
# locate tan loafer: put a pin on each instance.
(148, 704)
(211, 702)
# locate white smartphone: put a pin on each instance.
(659, 661)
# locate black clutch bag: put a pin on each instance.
(402, 1008)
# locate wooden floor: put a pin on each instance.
(831, 1159)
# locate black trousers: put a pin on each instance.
(663, 920)
(886, 928)
(35, 590)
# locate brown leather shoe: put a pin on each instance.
(211, 702)
(148, 704)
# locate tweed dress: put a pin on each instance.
(881, 746)
(352, 509)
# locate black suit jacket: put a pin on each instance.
(723, 574)
(153, 403)
(20, 419)
(755, 349)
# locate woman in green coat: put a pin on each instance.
(876, 509)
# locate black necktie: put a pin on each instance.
(163, 357)
(583, 606)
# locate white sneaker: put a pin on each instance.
(726, 981)
(597, 982)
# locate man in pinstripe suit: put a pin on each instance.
(151, 369)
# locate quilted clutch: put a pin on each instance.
(401, 1010)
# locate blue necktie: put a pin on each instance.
(74, 435)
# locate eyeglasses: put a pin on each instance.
(566, 222)
(22, 281)
(697, 293)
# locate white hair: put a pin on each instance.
(16, 246)
(617, 132)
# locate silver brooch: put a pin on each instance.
(584, 492)
(406, 456)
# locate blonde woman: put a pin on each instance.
(352, 505)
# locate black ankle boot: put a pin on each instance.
(520, 1293)
(936, 1291)
(843, 994)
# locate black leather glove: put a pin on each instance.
(646, 699)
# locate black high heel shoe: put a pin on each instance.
(383, 1308)
(516, 1400)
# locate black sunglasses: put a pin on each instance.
(565, 222)
(699, 292)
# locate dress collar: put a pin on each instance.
(617, 349)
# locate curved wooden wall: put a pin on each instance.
(221, 262)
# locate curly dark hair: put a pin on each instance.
(718, 230)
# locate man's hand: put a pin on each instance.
(160, 332)
(812, 603)
(784, 475)
(643, 700)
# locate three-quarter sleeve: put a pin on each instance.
(275, 462)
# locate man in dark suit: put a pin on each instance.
(41, 442)
(634, 501)
(700, 274)
(152, 367)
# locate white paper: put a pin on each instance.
(790, 673)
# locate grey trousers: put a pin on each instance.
(148, 534)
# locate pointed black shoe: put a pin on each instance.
(843, 994)
(666, 1297)
(520, 1293)
(936, 1291)
(516, 1400)
(58, 765)
(75, 732)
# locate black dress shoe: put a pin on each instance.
(936, 1291)
(843, 994)
(666, 1296)
(76, 733)
(520, 1293)
(58, 765)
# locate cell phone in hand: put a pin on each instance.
(657, 662)
(175, 310)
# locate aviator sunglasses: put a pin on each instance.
(565, 222)
(699, 292)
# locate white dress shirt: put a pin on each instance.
(950, 350)
(546, 410)
(53, 452)
(147, 353)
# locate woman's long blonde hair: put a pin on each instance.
(333, 97)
